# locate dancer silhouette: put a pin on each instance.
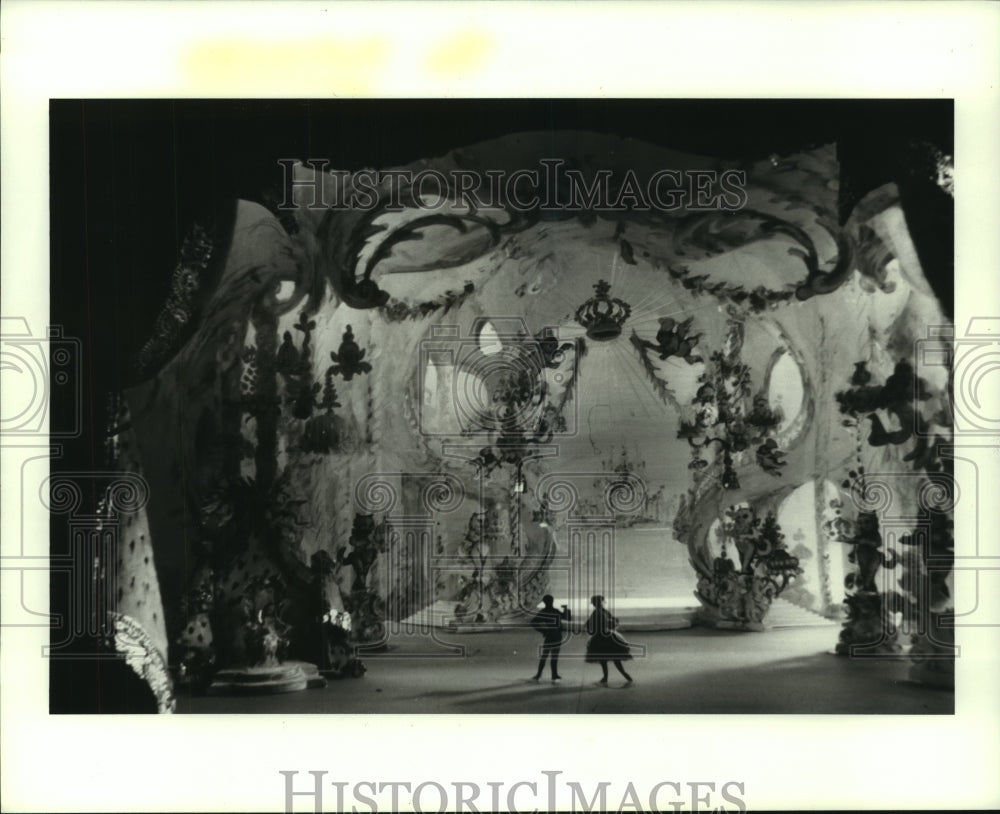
(605, 643)
(549, 622)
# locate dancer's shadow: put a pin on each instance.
(534, 691)
(527, 685)
(479, 690)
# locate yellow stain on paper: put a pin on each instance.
(461, 53)
(342, 66)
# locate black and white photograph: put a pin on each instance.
(495, 382)
(361, 432)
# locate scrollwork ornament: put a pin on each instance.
(556, 494)
(938, 495)
(625, 495)
(871, 495)
(63, 494)
(375, 494)
(128, 493)
(444, 494)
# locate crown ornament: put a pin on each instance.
(602, 316)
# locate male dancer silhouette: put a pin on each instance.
(549, 622)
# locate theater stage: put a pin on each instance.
(694, 670)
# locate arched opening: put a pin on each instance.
(786, 390)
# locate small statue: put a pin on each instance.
(868, 551)
(287, 360)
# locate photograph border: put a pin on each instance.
(216, 50)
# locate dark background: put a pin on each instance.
(129, 177)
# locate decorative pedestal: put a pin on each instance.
(292, 676)
(741, 610)
(869, 628)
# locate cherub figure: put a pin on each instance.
(675, 339)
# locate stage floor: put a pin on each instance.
(694, 670)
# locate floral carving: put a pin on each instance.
(396, 311)
(265, 635)
(742, 596)
(347, 234)
(525, 415)
(870, 622)
(488, 594)
(722, 231)
(187, 284)
(728, 413)
(921, 593)
(349, 361)
(896, 399)
(363, 602)
(797, 592)
(306, 400)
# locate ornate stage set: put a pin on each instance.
(361, 423)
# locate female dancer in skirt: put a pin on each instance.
(605, 643)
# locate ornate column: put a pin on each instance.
(407, 563)
(588, 562)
